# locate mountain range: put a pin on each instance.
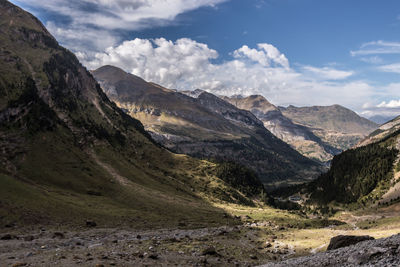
(317, 132)
(203, 125)
(72, 159)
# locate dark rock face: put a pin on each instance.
(341, 241)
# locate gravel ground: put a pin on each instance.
(223, 246)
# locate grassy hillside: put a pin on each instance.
(68, 154)
(357, 175)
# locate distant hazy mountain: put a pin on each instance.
(300, 137)
(379, 119)
(69, 154)
(203, 125)
(337, 126)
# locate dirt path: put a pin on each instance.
(119, 178)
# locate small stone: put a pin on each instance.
(8, 237)
(173, 239)
(29, 254)
(95, 245)
(253, 257)
(91, 224)
(58, 235)
(28, 238)
(153, 256)
(210, 251)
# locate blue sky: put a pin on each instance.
(301, 52)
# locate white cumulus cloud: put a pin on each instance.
(106, 19)
(185, 64)
(389, 104)
(265, 55)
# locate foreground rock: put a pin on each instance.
(341, 241)
(379, 252)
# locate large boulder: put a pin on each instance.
(341, 241)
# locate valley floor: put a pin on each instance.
(262, 235)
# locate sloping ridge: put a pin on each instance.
(385, 130)
(300, 137)
(334, 118)
(203, 125)
(68, 153)
(335, 125)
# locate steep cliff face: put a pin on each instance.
(68, 153)
(203, 125)
(300, 137)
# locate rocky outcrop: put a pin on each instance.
(341, 241)
(379, 252)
